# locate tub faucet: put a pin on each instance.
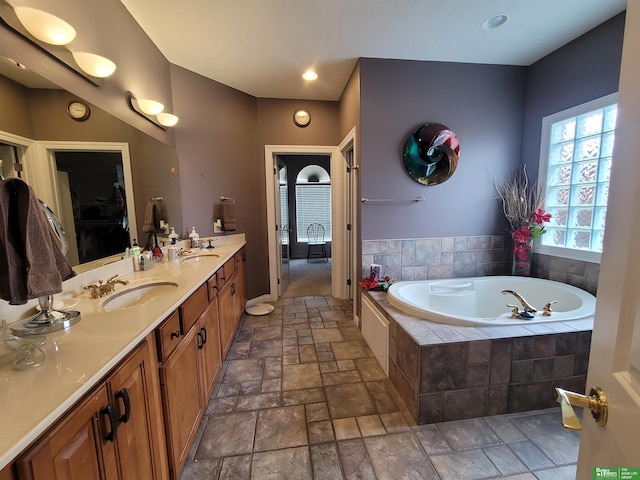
(525, 305)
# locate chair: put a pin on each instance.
(316, 244)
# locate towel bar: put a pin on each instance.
(416, 199)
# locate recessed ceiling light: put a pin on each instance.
(310, 75)
(495, 21)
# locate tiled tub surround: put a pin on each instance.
(445, 373)
(475, 256)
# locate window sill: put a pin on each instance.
(573, 254)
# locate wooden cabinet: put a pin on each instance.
(211, 355)
(240, 289)
(188, 372)
(227, 315)
(80, 447)
(113, 433)
(182, 399)
(8, 472)
(134, 390)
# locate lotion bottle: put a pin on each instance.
(194, 238)
(173, 236)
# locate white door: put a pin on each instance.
(282, 224)
(614, 362)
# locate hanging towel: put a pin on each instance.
(151, 217)
(228, 216)
(31, 261)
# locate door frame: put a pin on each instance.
(339, 268)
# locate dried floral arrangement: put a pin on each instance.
(522, 205)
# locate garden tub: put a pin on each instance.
(479, 301)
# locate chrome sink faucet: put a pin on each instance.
(102, 289)
(528, 310)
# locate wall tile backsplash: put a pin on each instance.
(452, 257)
(435, 258)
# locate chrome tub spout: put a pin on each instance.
(525, 305)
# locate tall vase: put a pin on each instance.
(521, 265)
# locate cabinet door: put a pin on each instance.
(136, 408)
(240, 296)
(80, 447)
(182, 398)
(227, 317)
(210, 351)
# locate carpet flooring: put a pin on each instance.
(309, 278)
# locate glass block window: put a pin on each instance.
(575, 167)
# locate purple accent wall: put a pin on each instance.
(482, 104)
(583, 70)
(219, 155)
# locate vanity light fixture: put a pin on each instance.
(152, 111)
(147, 106)
(167, 119)
(94, 65)
(310, 75)
(45, 27)
(495, 21)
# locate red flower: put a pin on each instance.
(541, 216)
(521, 251)
(522, 235)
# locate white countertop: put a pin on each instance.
(77, 358)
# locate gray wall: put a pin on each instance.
(583, 70)
(482, 104)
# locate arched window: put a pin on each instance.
(313, 200)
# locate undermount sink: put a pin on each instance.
(136, 295)
(196, 257)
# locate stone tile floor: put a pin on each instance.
(301, 396)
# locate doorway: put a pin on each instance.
(93, 203)
(305, 199)
(340, 271)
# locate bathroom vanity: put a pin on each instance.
(122, 392)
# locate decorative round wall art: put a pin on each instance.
(431, 154)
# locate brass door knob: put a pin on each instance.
(596, 402)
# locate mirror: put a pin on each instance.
(37, 130)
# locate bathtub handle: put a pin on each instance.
(547, 309)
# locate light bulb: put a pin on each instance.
(150, 107)
(310, 75)
(167, 119)
(45, 27)
(94, 65)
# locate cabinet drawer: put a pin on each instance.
(212, 286)
(168, 335)
(224, 273)
(193, 306)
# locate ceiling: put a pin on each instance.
(262, 47)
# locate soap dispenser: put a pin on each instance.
(194, 238)
(173, 236)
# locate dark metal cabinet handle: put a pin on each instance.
(175, 334)
(110, 412)
(204, 335)
(233, 289)
(124, 395)
(200, 341)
